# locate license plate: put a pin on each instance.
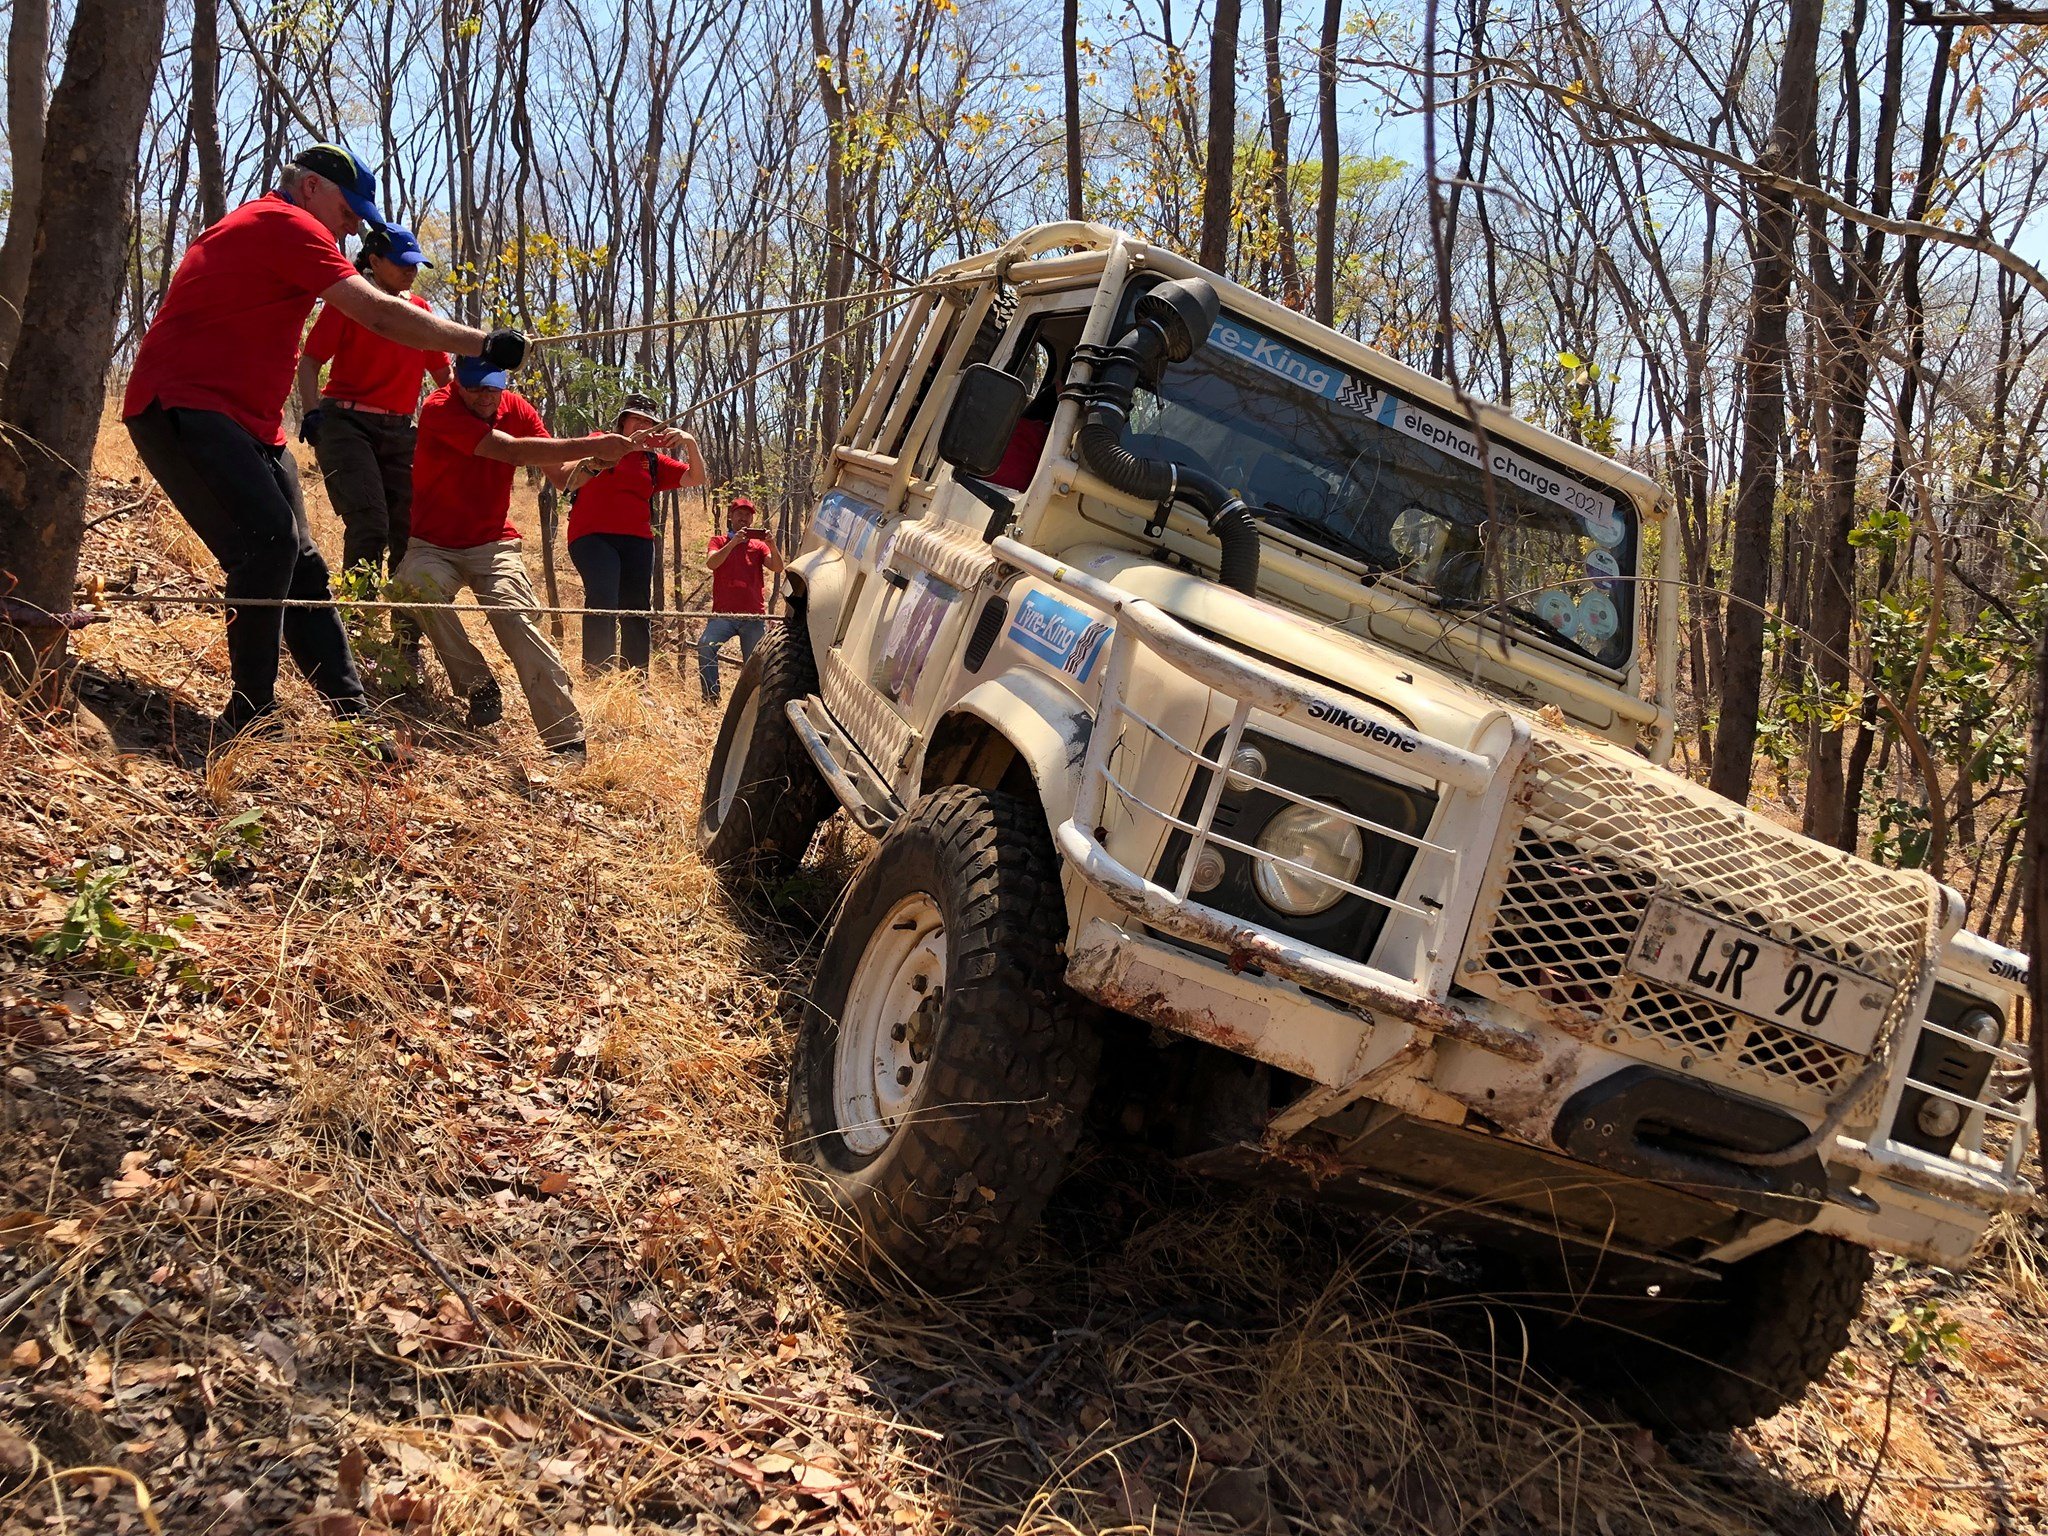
(1706, 956)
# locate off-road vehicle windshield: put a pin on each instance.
(1338, 460)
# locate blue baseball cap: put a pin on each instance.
(357, 182)
(475, 373)
(395, 243)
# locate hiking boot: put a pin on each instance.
(486, 705)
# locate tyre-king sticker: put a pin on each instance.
(1060, 634)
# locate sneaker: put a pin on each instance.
(486, 705)
(572, 751)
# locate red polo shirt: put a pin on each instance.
(368, 370)
(226, 337)
(621, 499)
(459, 500)
(736, 586)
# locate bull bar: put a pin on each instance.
(1355, 725)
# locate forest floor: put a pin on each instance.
(399, 1156)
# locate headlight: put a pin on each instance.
(1320, 839)
(1939, 1118)
(1981, 1024)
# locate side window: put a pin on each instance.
(988, 336)
(1040, 359)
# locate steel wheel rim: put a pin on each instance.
(889, 1024)
(736, 751)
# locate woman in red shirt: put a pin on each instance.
(611, 531)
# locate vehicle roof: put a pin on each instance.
(1650, 498)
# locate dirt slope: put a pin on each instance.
(398, 1155)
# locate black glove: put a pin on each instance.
(309, 425)
(505, 349)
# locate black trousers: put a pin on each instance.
(366, 463)
(618, 572)
(241, 497)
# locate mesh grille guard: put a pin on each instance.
(1600, 837)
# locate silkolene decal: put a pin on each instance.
(1594, 508)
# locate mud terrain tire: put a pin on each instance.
(761, 809)
(943, 1170)
(1724, 1359)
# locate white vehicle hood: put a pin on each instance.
(1432, 701)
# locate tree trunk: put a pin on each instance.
(28, 54)
(1221, 166)
(51, 402)
(1848, 319)
(1932, 138)
(1326, 202)
(1070, 58)
(1283, 189)
(550, 521)
(1763, 415)
(2034, 884)
(1466, 120)
(831, 94)
(213, 186)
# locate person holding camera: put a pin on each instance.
(740, 559)
(612, 537)
(205, 408)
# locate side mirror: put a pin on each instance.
(985, 410)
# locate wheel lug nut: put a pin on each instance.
(899, 1031)
(903, 1076)
(919, 983)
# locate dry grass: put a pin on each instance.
(441, 1193)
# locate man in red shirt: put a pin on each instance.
(612, 538)
(473, 433)
(739, 557)
(360, 424)
(205, 406)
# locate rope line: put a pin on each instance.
(220, 600)
(776, 367)
(737, 314)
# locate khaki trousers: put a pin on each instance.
(497, 577)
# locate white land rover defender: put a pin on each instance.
(1261, 763)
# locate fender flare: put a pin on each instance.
(1046, 725)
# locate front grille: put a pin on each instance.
(1562, 931)
(1565, 923)
(1602, 836)
(1703, 1031)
